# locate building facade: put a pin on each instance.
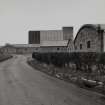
(19, 48)
(51, 35)
(67, 33)
(90, 38)
(34, 37)
(51, 40)
(70, 46)
(37, 37)
(8, 49)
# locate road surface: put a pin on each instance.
(20, 84)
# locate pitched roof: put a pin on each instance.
(54, 43)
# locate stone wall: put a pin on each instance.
(88, 39)
(70, 46)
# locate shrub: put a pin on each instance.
(80, 59)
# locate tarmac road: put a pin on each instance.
(22, 85)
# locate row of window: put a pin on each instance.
(88, 45)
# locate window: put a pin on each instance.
(88, 44)
(58, 48)
(80, 46)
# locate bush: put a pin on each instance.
(80, 59)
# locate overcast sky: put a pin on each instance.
(17, 17)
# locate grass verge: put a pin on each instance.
(75, 77)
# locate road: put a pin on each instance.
(20, 84)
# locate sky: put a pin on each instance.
(17, 17)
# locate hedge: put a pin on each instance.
(81, 59)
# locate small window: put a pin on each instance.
(88, 44)
(80, 46)
(57, 48)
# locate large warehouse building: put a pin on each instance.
(43, 36)
(51, 40)
(89, 38)
(42, 41)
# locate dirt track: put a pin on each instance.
(22, 85)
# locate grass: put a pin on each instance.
(69, 75)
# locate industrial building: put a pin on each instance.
(51, 40)
(36, 37)
(42, 41)
(90, 38)
(18, 48)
